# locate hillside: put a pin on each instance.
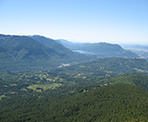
(118, 102)
(76, 77)
(99, 49)
(26, 53)
(108, 66)
(21, 47)
(25, 47)
(81, 92)
(139, 80)
(52, 44)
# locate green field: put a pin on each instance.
(40, 87)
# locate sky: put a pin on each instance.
(114, 21)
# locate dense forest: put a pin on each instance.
(73, 94)
(115, 103)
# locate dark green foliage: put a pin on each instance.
(137, 79)
(25, 53)
(77, 100)
(52, 44)
(23, 47)
(22, 53)
(116, 103)
(113, 103)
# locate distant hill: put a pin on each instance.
(100, 49)
(34, 52)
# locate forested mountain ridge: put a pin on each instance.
(101, 49)
(31, 53)
(50, 43)
(24, 47)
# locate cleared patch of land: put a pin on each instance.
(41, 87)
(2, 96)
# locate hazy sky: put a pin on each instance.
(116, 21)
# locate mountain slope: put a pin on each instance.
(34, 52)
(99, 49)
(139, 80)
(119, 102)
(23, 47)
(52, 44)
(108, 66)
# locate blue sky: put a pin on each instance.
(114, 21)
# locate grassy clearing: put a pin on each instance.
(40, 87)
(2, 96)
(13, 84)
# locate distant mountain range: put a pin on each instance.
(135, 46)
(27, 53)
(140, 50)
(100, 49)
(35, 47)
